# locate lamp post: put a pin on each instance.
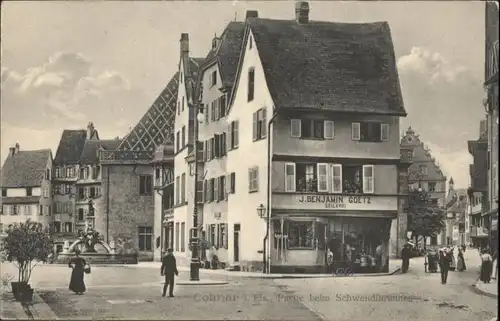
(261, 211)
(194, 267)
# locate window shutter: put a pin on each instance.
(200, 151)
(233, 182)
(355, 131)
(250, 179)
(223, 106)
(217, 109)
(217, 145)
(322, 177)
(290, 178)
(223, 144)
(236, 137)
(264, 122)
(368, 179)
(228, 138)
(205, 191)
(336, 175)
(384, 132)
(207, 114)
(216, 189)
(295, 127)
(255, 124)
(329, 129)
(225, 235)
(217, 237)
(212, 147)
(199, 190)
(205, 151)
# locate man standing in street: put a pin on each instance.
(405, 256)
(444, 264)
(169, 269)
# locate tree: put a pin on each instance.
(26, 245)
(425, 219)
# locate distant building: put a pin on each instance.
(26, 188)
(490, 209)
(425, 173)
(476, 229)
(456, 210)
(66, 169)
(128, 179)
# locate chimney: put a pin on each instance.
(302, 12)
(483, 127)
(184, 42)
(16, 148)
(252, 14)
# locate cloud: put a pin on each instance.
(444, 102)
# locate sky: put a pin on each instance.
(65, 63)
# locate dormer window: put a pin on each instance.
(215, 43)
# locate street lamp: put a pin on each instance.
(261, 211)
(194, 267)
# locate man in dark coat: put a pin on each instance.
(405, 256)
(444, 265)
(169, 269)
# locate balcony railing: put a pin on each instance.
(406, 155)
(125, 156)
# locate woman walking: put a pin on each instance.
(486, 266)
(461, 261)
(79, 266)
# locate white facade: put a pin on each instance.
(242, 205)
(22, 192)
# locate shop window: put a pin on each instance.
(300, 234)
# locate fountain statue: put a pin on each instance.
(87, 241)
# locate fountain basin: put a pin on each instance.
(98, 258)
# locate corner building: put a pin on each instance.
(324, 127)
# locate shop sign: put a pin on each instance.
(341, 202)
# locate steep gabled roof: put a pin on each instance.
(345, 67)
(70, 147)
(25, 168)
(226, 55)
(91, 148)
(156, 126)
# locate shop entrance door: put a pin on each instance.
(321, 237)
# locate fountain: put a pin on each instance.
(86, 243)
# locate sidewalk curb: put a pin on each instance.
(482, 292)
(42, 311)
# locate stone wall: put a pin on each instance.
(124, 210)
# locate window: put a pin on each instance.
(81, 193)
(47, 174)
(223, 236)
(250, 43)
(259, 124)
(178, 141)
(81, 216)
(145, 238)
(295, 128)
(300, 234)
(290, 177)
(29, 191)
(4, 192)
(57, 227)
(157, 173)
(58, 172)
(183, 187)
(145, 184)
(233, 135)
(177, 236)
(432, 186)
(423, 169)
(68, 227)
(352, 182)
(27, 209)
(183, 236)
(306, 180)
(213, 78)
(45, 191)
(182, 104)
(216, 189)
(370, 132)
(368, 186)
(183, 136)
(177, 190)
(82, 173)
(253, 179)
(213, 239)
(251, 84)
(15, 210)
(312, 128)
(40, 210)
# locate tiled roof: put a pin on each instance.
(91, 147)
(347, 67)
(25, 168)
(156, 126)
(70, 147)
(21, 200)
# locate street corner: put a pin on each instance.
(486, 289)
